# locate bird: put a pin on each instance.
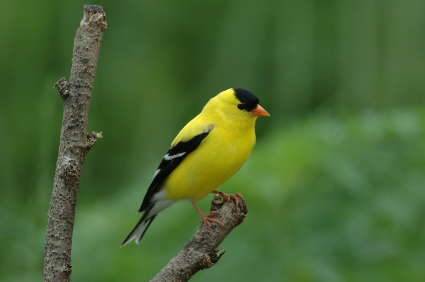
(210, 149)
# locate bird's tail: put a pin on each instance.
(140, 229)
(148, 216)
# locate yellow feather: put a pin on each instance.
(220, 155)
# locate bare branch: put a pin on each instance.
(201, 251)
(74, 144)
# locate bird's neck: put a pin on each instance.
(235, 121)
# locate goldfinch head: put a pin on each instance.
(236, 102)
(249, 103)
(235, 108)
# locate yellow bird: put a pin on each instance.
(208, 151)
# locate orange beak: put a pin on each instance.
(260, 112)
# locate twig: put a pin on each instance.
(74, 144)
(201, 251)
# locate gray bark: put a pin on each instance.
(75, 142)
(201, 251)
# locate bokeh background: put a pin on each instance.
(335, 186)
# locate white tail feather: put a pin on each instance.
(142, 225)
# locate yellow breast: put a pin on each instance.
(220, 155)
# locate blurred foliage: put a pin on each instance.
(335, 186)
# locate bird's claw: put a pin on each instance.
(207, 219)
(226, 197)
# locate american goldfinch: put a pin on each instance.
(208, 151)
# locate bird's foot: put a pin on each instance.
(226, 197)
(207, 219)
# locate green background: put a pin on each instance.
(335, 186)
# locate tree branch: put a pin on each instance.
(201, 251)
(74, 144)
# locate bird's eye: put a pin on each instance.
(241, 106)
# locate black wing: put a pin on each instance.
(170, 161)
